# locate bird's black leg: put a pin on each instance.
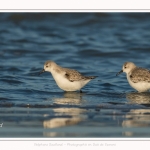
(80, 91)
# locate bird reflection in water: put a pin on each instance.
(67, 116)
(70, 98)
(137, 117)
(139, 98)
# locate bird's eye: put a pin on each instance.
(125, 67)
(46, 66)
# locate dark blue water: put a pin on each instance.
(94, 44)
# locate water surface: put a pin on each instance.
(93, 43)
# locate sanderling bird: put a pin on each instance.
(138, 78)
(67, 79)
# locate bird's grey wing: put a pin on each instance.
(73, 75)
(140, 74)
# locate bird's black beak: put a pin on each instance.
(119, 72)
(42, 71)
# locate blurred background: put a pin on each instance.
(94, 44)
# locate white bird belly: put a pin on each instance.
(66, 85)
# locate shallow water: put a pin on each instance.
(92, 43)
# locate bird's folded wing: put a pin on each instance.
(73, 75)
(140, 74)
